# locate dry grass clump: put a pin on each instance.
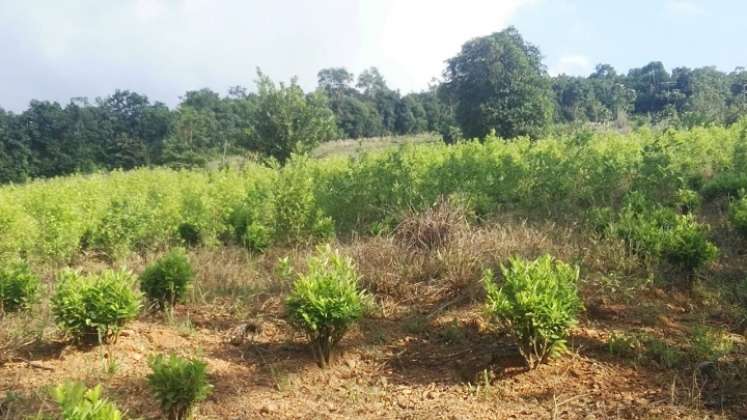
(409, 267)
(21, 334)
(432, 229)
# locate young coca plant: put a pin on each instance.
(537, 304)
(95, 306)
(178, 384)
(80, 403)
(686, 246)
(738, 216)
(326, 301)
(166, 281)
(18, 287)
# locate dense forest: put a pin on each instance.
(496, 83)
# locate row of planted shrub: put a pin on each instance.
(538, 299)
(123, 212)
(177, 383)
(535, 301)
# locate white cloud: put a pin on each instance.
(164, 47)
(685, 8)
(572, 64)
(149, 9)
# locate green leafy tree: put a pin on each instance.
(286, 120)
(498, 82)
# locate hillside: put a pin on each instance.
(654, 223)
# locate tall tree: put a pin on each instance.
(498, 82)
(285, 120)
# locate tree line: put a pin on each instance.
(497, 83)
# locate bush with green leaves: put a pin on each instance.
(661, 353)
(708, 344)
(643, 227)
(686, 246)
(325, 301)
(18, 287)
(687, 200)
(253, 221)
(178, 384)
(661, 233)
(738, 216)
(80, 403)
(95, 306)
(166, 281)
(537, 303)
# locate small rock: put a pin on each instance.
(268, 408)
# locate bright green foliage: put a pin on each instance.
(685, 245)
(687, 200)
(537, 303)
(178, 384)
(325, 301)
(257, 206)
(708, 344)
(79, 403)
(287, 121)
(166, 281)
(738, 216)
(660, 233)
(18, 287)
(643, 226)
(95, 306)
(298, 215)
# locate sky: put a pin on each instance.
(57, 50)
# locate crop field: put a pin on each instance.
(592, 275)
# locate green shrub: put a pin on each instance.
(18, 287)
(685, 245)
(642, 228)
(738, 216)
(178, 384)
(687, 201)
(624, 345)
(253, 221)
(661, 353)
(325, 301)
(725, 184)
(708, 344)
(79, 403)
(599, 219)
(95, 306)
(660, 233)
(298, 215)
(166, 281)
(537, 303)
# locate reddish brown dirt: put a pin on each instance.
(451, 367)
